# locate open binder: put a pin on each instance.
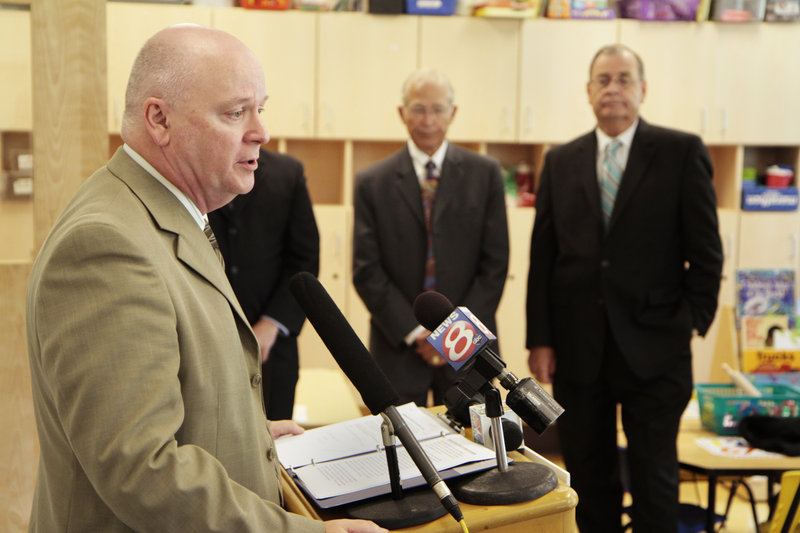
(345, 462)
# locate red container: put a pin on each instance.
(264, 4)
(778, 176)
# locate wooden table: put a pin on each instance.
(696, 459)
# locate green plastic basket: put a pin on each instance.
(723, 406)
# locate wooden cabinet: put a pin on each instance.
(679, 71)
(553, 71)
(729, 235)
(481, 59)
(362, 63)
(768, 240)
(511, 312)
(129, 26)
(333, 223)
(755, 86)
(285, 44)
(15, 65)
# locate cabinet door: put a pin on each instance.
(678, 67)
(363, 61)
(756, 86)
(128, 27)
(285, 43)
(334, 265)
(768, 240)
(554, 69)
(481, 59)
(511, 326)
(15, 60)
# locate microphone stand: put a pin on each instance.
(399, 509)
(508, 483)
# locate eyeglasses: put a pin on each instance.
(623, 81)
(418, 111)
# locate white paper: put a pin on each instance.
(360, 472)
(353, 437)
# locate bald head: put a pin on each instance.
(192, 111)
(170, 63)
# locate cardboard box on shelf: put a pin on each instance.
(768, 360)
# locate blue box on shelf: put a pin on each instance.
(430, 7)
(761, 198)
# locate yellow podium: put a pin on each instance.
(552, 513)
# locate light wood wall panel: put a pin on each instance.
(19, 447)
(70, 141)
(70, 133)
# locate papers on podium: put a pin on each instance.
(345, 462)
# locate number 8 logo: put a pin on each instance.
(457, 343)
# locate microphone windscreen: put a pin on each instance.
(512, 434)
(343, 343)
(431, 308)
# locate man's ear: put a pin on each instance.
(155, 120)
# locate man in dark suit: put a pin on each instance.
(466, 258)
(266, 236)
(626, 262)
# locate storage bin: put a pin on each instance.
(430, 7)
(722, 406)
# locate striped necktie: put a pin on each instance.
(429, 186)
(214, 244)
(610, 176)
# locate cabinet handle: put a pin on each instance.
(724, 119)
(704, 120)
(794, 247)
(507, 118)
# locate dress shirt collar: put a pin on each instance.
(625, 138)
(420, 158)
(198, 217)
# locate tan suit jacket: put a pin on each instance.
(145, 373)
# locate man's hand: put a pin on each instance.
(278, 428)
(353, 526)
(427, 351)
(542, 363)
(266, 332)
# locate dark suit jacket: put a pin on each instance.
(390, 242)
(266, 236)
(654, 275)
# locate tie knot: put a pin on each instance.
(613, 146)
(430, 168)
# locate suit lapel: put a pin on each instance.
(192, 247)
(450, 182)
(408, 188)
(586, 169)
(639, 158)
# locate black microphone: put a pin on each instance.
(525, 397)
(353, 358)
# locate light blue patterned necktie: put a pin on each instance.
(610, 176)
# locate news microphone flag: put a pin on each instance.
(459, 336)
